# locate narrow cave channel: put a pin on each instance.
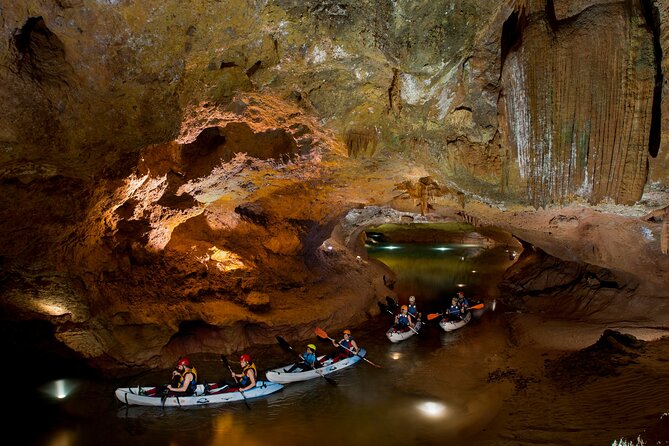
(441, 386)
(435, 261)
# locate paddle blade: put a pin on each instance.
(433, 316)
(284, 344)
(225, 361)
(384, 308)
(476, 307)
(321, 333)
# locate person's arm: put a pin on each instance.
(354, 347)
(335, 343)
(184, 386)
(252, 377)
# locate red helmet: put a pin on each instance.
(245, 357)
(184, 362)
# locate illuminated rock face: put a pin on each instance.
(180, 179)
(579, 90)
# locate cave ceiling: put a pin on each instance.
(172, 167)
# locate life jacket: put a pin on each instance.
(413, 310)
(344, 345)
(454, 310)
(402, 319)
(193, 383)
(309, 359)
(246, 380)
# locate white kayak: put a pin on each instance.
(133, 395)
(280, 375)
(397, 336)
(454, 325)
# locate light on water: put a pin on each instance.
(391, 247)
(396, 355)
(442, 248)
(432, 409)
(60, 389)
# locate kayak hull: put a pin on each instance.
(447, 325)
(131, 395)
(399, 336)
(278, 375)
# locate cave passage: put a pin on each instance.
(434, 262)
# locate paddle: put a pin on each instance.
(227, 364)
(323, 334)
(436, 315)
(385, 308)
(391, 302)
(286, 346)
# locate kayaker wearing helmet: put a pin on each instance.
(248, 375)
(187, 378)
(413, 310)
(183, 382)
(309, 361)
(403, 320)
(345, 348)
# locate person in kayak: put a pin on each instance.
(463, 302)
(403, 320)
(183, 381)
(309, 361)
(454, 312)
(187, 379)
(412, 309)
(248, 375)
(344, 348)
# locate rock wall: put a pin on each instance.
(173, 171)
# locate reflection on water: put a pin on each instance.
(434, 273)
(427, 390)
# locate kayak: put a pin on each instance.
(280, 375)
(397, 336)
(454, 325)
(134, 395)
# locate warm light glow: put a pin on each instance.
(432, 409)
(474, 271)
(494, 304)
(442, 248)
(52, 309)
(226, 260)
(63, 437)
(461, 285)
(396, 355)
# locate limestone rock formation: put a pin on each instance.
(178, 175)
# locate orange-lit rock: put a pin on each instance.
(173, 177)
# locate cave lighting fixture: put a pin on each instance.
(432, 409)
(59, 389)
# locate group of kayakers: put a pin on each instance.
(184, 377)
(408, 316)
(459, 306)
